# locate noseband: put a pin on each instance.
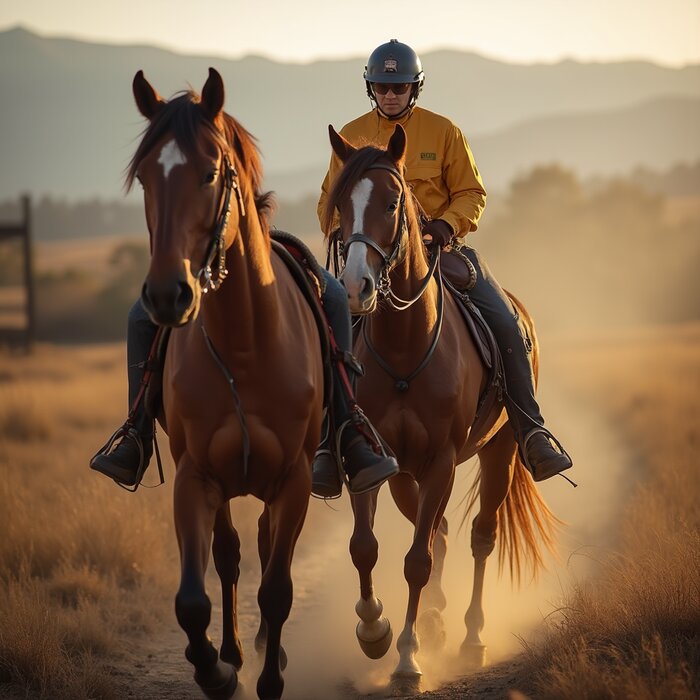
(395, 256)
(208, 279)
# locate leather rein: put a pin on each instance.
(213, 280)
(384, 290)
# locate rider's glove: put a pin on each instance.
(440, 231)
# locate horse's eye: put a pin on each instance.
(210, 177)
(392, 207)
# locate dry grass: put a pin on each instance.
(634, 630)
(83, 567)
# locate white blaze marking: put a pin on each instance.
(356, 264)
(170, 156)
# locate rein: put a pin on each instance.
(210, 282)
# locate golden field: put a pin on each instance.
(87, 571)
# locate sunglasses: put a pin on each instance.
(396, 88)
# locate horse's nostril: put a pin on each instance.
(184, 296)
(367, 286)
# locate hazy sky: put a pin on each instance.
(665, 31)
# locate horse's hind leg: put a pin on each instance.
(285, 519)
(374, 629)
(196, 503)
(495, 460)
(227, 558)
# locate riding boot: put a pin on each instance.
(353, 445)
(127, 453)
(540, 451)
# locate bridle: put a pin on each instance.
(391, 259)
(208, 279)
(389, 262)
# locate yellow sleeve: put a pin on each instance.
(333, 170)
(466, 190)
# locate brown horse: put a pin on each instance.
(243, 376)
(418, 333)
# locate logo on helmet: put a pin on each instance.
(391, 65)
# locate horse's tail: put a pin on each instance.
(527, 527)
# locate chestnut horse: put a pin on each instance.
(417, 333)
(243, 376)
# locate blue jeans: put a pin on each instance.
(502, 318)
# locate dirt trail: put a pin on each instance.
(324, 660)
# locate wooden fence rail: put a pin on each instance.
(22, 336)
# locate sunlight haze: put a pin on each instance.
(513, 30)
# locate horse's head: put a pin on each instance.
(186, 165)
(370, 195)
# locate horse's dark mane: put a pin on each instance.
(353, 168)
(182, 116)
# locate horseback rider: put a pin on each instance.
(443, 176)
(126, 458)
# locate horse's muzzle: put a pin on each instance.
(362, 294)
(169, 304)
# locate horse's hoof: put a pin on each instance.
(405, 683)
(218, 684)
(431, 630)
(473, 656)
(374, 637)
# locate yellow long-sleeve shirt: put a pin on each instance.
(440, 168)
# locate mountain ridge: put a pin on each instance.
(71, 125)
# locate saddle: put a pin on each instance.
(459, 277)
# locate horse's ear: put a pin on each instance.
(213, 95)
(341, 147)
(147, 99)
(397, 145)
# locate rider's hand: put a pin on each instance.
(437, 231)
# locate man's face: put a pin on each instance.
(392, 98)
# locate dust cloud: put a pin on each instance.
(325, 661)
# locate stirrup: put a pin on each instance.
(360, 419)
(549, 436)
(128, 431)
(324, 451)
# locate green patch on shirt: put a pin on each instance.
(428, 156)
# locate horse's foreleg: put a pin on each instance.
(404, 490)
(434, 491)
(285, 519)
(495, 459)
(195, 506)
(227, 557)
(374, 629)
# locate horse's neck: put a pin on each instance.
(418, 321)
(244, 312)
